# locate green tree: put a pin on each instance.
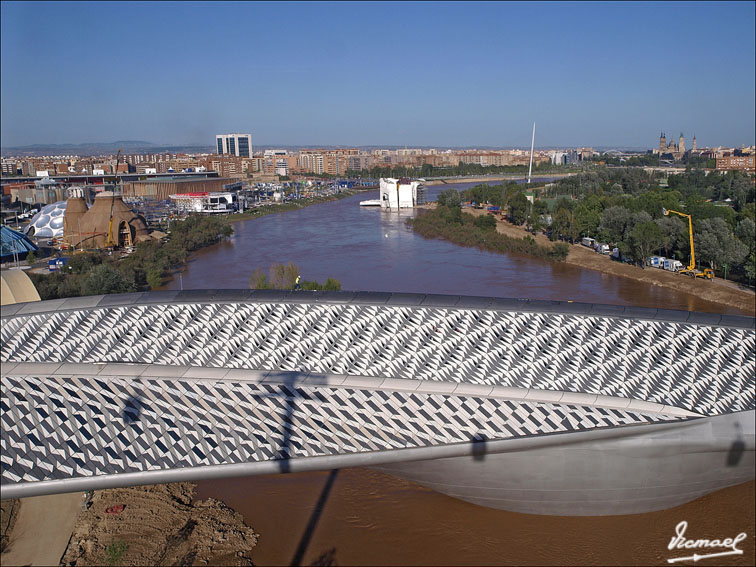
(614, 223)
(103, 280)
(485, 222)
(716, 244)
(83, 262)
(588, 216)
(283, 277)
(258, 280)
(519, 206)
(154, 278)
(746, 232)
(30, 258)
(564, 224)
(675, 232)
(645, 238)
(332, 284)
(750, 267)
(449, 198)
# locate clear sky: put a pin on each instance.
(342, 73)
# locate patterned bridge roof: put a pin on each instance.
(117, 385)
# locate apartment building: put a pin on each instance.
(730, 162)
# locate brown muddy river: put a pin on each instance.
(363, 517)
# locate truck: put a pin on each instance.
(588, 242)
(602, 249)
(672, 265)
(656, 262)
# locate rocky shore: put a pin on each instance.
(158, 525)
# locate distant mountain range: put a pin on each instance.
(100, 148)
(141, 147)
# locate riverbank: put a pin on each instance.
(273, 208)
(716, 291)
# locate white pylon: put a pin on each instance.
(532, 145)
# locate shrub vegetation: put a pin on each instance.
(282, 276)
(94, 273)
(450, 223)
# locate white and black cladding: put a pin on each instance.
(701, 368)
(58, 427)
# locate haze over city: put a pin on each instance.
(418, 74)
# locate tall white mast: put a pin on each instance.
(532, 145)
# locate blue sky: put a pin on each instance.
(342, 73)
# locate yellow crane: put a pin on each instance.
(708, 273)
(109, 242)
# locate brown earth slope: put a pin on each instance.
(159, 526)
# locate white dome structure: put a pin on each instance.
(47, 223)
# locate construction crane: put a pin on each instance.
(691, 270)
(109, 242)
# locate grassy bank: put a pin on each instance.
(463, 229)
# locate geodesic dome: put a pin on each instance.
(48, 223)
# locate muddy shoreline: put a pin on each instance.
(717, 291)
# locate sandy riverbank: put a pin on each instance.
(716, 291)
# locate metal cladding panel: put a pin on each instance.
(59, 427)
(704, 368)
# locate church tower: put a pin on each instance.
(662, 143)
(681, 147)
(694, 143)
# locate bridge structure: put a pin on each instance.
(531, 406)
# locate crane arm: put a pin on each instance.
(690, 231)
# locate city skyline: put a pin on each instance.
(359, 74)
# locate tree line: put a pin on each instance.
(448, 222)
(95, 273)
(461, 169)
(624, 207)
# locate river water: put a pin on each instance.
(362, 517)
(367, 249)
